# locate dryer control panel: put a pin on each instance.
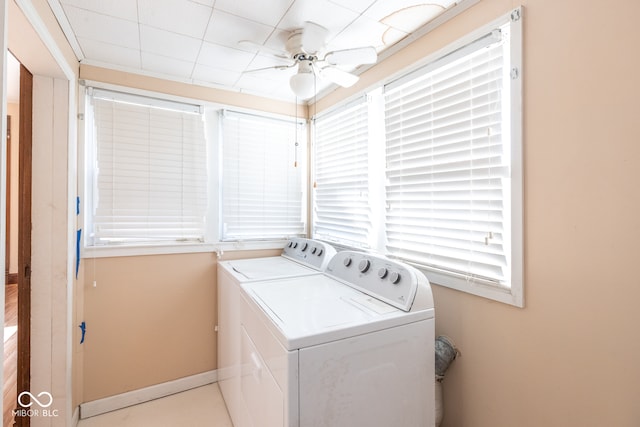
(312, 253)
(390, 281)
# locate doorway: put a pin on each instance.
(11, 279)
(17, 326)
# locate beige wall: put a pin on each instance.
(571, 357)
(150, 319)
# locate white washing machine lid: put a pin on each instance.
(255, 269)
(312, 310)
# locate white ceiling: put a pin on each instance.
(196, 41)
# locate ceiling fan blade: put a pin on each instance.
(355, 56)
(275, 67)
(251, 45)
(313, 37)
(338, 76)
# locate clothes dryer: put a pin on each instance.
(351, 347)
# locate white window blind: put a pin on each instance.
(448, 162)
(263, 177)
(150, 175)
(342, 211)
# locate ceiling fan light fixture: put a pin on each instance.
(303, 82)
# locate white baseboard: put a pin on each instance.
(119, 401)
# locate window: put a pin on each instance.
(263, 177)
(163, 176)
(452, 191)
(149, 180)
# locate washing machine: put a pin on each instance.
(300, 258)
(351, 347)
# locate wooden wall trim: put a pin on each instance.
(24, 237)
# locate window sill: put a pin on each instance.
(511, 296)
(165, 249)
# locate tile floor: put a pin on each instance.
(199, 407)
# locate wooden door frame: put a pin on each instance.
(24, 236)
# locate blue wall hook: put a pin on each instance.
(83, 328)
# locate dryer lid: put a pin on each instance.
(312, 310)
(269, 268)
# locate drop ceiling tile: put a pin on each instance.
(266, 12)
(363, 32)
(178, 16)
(390, 37)
(224, 57)
(227, 30)
(103, 28)
(164, 65)
(383, 8)
(410, 19)
(205, 2)
(125, 9)
(276, 42)
(322, 12)
(406, 15)
(217, 76)
(358, 6)
(110, 54)
(165, 43)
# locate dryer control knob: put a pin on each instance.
(394, 277)
(382, 273)
(290, 244)
(364, 265)
(320, 251)
(304, 247)
(295, 245)
(347, 262)
(313, 250)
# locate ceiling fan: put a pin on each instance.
(305, 47)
